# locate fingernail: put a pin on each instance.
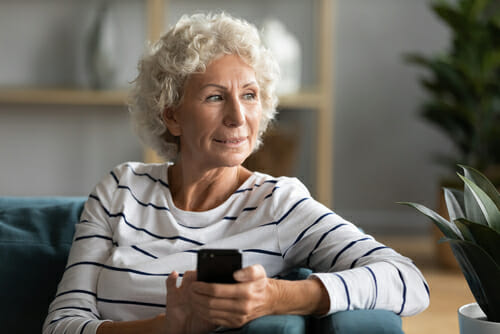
(238, 275)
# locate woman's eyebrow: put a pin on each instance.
(213, 85)
(251, 83)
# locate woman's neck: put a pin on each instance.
(201, 190)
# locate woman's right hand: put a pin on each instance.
(179, 317)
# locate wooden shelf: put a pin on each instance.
(305, 99)
(63, 96)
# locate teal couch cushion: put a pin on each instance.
(35, 237)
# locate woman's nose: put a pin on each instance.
(234, 115)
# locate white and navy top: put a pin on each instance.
(131, 236)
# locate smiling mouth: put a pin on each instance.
(231, 141)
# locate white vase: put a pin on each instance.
(286, 49)
(472, 320)
(101, 48)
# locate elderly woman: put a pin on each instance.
(202, 99)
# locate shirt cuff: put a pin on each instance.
(336, 291)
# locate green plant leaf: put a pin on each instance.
(448, 229)
(464, 229)
(454, 209)
(482, 182)
(482, 275)
(476, 198)
(485, 237)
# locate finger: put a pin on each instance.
(189, 276)
(172, 281)
(228, 291)
(227, 319)
(251, 273)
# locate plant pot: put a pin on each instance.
(472, 320)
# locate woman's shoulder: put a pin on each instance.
(286, 184)
(134, 169)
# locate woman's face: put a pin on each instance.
(218, 119)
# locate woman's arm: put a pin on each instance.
(74, 308)
(179, 316)
(152, 326)
(357, 271)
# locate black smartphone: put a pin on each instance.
(218, 265)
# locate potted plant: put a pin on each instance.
(473, 233)
(463, 89)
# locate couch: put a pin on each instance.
(35, 238)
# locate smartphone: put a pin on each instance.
(218, 265)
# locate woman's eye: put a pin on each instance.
(213, 98)
(249, 96)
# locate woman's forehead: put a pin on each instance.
(223, 71)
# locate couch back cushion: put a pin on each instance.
(35, 238)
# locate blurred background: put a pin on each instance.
(55, 140)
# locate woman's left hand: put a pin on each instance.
(233, 305)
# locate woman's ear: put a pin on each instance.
(171, 122)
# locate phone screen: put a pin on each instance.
(218, 265)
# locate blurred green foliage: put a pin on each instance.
(463, 83)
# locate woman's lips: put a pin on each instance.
(231, 141)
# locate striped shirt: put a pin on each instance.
(131, 236)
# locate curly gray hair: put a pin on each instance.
(186, 48)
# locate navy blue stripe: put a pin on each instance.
(130, 302)
(191, 251)
(352, 243)
(426, 288)
(262, 251)
(121, 214)
(250, 208)
(230, 218)
(114, 268)
(149, 176)
(95, 236)
(301, 235)
(142, 203)
(74, 308)
(321, 240)
(114, 177)
(242, 190)
(191, 227)
(404, 292)
(83, 221)
(86, 309)
(66, 316)
(272, 192)
(144, 252)
(346, 291)
(85, 325)
(77, 291)
(286, 214)
(366, 254)
(255, 186)
(376, 287)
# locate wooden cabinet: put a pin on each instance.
(319, 98)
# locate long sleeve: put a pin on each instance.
(357, 271)
(74, 309)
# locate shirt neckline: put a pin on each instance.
(205, 218)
